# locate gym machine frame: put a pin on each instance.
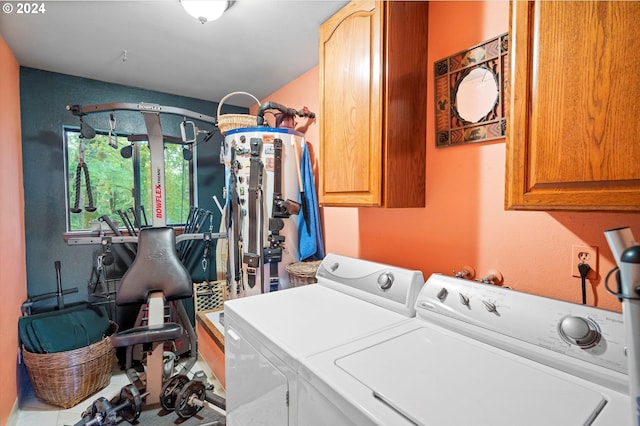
(151, 114)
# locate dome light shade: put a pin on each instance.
(205, 10)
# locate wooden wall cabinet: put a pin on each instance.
(373, 74)
(573, 138)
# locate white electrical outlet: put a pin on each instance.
(584, 254)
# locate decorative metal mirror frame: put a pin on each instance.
(451, 129)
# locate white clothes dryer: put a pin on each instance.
(267, 335)
(475, 354)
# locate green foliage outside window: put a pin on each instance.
(113, 183)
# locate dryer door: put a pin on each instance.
(256, 389)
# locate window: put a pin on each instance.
(122, 184)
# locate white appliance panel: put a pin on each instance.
(318, 410)
(267, 336)
(383, 285)
(262, 400)
(433, 377)
(309, 319)
(521, 318)
(475, 354)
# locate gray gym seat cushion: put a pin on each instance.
(155, 268)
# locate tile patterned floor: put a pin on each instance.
(35, 412)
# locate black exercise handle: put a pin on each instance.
(87, 180)
(201, 221)
(143, 216)
(111, 225)
(136, 221)
(82, 169)
(76, 206)
(147, 334)
(44, 296)
(58, 266)
(127, 222)
(132, 249)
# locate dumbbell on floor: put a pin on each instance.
(127, 405)
(170, 390)
(187, 397)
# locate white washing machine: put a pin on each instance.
(267, 335)
(475, 354)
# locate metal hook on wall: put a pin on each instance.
(113, 141)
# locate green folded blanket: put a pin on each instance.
(63, 330)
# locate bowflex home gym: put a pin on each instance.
(156, 281)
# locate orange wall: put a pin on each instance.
(464, 222)
(304, 91)
(12, 239)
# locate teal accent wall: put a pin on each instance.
(44, 96)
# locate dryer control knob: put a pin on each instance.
(579, 331)
(442, 294)
(385, 280)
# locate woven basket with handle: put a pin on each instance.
(302, 273)
(228, 122)
(68, 378)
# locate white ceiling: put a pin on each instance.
(257, 46)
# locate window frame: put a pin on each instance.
(136, 168)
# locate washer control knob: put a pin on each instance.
(491, 307)
(579, 331)
(442, 294)
(464, 300)
(385, 280)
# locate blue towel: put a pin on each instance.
(310, 245)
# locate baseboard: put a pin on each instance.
(13, 416)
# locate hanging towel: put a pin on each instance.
(310, 244)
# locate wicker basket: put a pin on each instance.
(228, 122)
(302, 273)
(67, 378)
(209, 295)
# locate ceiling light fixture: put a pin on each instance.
(205, 10)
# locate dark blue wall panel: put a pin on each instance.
(44, 96)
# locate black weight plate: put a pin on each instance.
(185, 406)
(101, 410)
(130, 412)
(170, 390)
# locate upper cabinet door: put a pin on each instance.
(351, 103)
(574, 127)
(373, 105)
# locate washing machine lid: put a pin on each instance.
(305, 320)
(431, 376)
